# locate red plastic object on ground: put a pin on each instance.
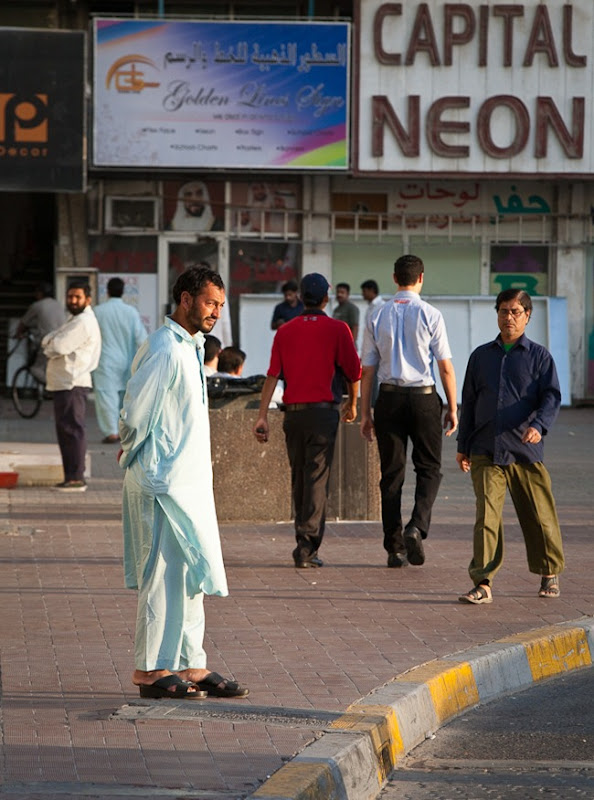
(8, 480)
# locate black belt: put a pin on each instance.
(390, 387)
(304, 406)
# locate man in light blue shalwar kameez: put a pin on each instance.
(122, 333)
(172, 549)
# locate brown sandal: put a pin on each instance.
(549, 587)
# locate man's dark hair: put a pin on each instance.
(230, 359)
(514, 294)
(115, 287)
(80, 283)
(408, 269)
(289, 286)
(45, 289)
(212, 347)
(343, 286)
(370, 284)
(194, 280)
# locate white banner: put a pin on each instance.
(263, 95)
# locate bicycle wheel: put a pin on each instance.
(27, 393)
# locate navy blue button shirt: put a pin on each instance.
(505, 393)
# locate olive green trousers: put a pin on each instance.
(532, 495)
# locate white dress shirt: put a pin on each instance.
(72, 352)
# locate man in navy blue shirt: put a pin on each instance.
(510, 399)
(290, 308)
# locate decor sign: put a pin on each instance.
(42, 117)
(266, 95)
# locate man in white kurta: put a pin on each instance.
(172, 550)
(122, 333)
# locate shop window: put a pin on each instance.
(361, 211)
(123, 254)
(260, 268)
(131, 213)
(519, 266)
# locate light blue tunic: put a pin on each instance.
(122, 333)
(165, 433)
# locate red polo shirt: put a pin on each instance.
(306, 354)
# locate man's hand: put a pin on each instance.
(261, 430)
(531, 436)
(348, 411)
(367, 428)
(463, 461)
(450, 421)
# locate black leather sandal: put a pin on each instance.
(549, 587)
(217, 686)
(160, 689)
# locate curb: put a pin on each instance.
(380, 729)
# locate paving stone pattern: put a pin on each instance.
(307, 641)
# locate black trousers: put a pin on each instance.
(70, 409)
(399, 417)
(310, 435)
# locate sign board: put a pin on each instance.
(474, 88)
(186, 94)
(42, 120)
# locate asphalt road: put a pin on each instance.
(533, 745)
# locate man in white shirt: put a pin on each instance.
(73, 352)
(402, 340)
(370, 292)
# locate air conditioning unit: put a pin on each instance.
(131, 214)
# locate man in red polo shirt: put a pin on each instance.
(311, 353)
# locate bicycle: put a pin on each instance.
(27, 391)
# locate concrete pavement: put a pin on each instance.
(314, 646)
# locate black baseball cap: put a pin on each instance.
(314, 288)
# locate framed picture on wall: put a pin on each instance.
(194, 206)
(264, 208)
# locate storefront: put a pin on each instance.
(453, 151)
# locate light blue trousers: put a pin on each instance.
(169, 620)
(108, 402)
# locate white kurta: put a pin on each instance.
(122, 333)
(165, 434)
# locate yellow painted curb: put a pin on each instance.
(299, 781)
(451, 684)
(551, 651)
(381, 723)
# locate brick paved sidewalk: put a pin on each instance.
(308, 643)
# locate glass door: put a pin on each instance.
(176, 254)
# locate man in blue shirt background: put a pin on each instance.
(510, 399)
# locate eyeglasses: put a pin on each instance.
(515, 312)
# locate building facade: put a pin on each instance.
(463, 134)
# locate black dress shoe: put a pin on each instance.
(307, 563)
(413, 540)
(397, 560)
